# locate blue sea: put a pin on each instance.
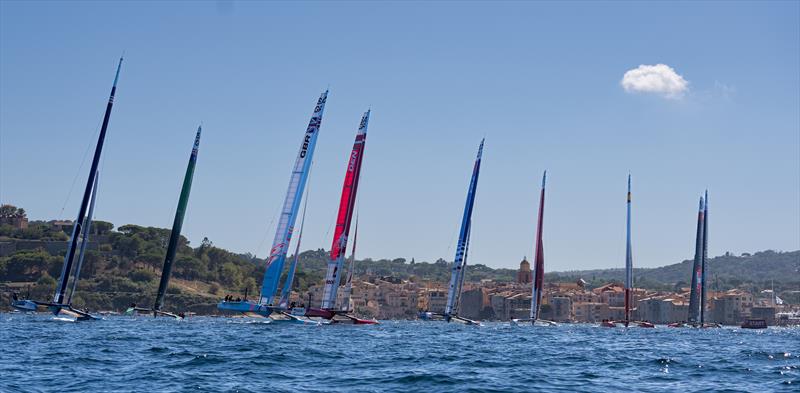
(39, 353)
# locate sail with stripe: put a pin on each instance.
(177, 224)
(78, 229)
(697, 268)
(291, 205)
(628, 260)
(345, 215)
(457, 269)
(538, 261)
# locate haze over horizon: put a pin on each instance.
(684, 96)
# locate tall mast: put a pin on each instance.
(58, 297)
(697, 269)
(84, 240)
(703, 264)
(463, 237)
(294, 193)
(538, 264)
(287, 285)
(628, 260)
(345, 216)
(177, 224)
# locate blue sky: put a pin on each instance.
(541, 81)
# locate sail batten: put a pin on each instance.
(457, 269)
(345, 216)
(291, 205)
(538, 264)
(177, 225)
(58, 296)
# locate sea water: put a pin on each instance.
(203, 354)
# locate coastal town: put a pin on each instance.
(387, 297)
(392, 298)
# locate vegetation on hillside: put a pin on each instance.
(126, 265)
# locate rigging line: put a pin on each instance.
(78, 172)
(267, 230)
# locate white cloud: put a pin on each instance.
(657, 79)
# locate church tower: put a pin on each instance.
(524, 275)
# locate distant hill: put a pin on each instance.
(759, 270)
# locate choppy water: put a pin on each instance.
(38, 353)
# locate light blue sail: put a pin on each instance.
(291, 205)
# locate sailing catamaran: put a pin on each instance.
(697, 296)
(459, 263)
(283, 234)
(538, 268)
(697, 269)
(628, 289)
(174, 236)
(80, 228)
(328, 309)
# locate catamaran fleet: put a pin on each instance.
(333, 306)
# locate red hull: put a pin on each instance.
(320, 313)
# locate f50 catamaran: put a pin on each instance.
(628, 287)
(537, 289)
(174, 236)
(328, 310)
(283, 234)
(80, 228)
(459, 263)
(697, 296)
(697, 268)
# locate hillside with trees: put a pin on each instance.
(124, 266)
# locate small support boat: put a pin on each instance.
(752, 323)
(608, 324)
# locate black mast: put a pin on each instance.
(67, 268)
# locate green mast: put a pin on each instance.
(172, 247)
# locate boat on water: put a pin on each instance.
(627, 320)
(61, 305)
(174, 236)
(328, 308)
(538, 269)
(752, 323)
(697, 296)
(264, 306)
(458, 269)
